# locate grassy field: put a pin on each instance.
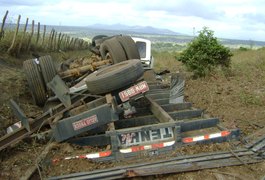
(237, 94)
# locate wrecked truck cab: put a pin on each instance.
(144, 49)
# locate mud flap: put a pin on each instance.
(59, 88)
(84, 122)
(24, 121)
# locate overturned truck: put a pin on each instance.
(118, 103)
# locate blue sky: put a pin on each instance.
(236, 19)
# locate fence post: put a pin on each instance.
(38, 33)
(51, 39)
(2, 26)
(75, 40)
(67, 42)
(15, 36)
(54, 45)
(23, 36)
(43, 37)
(58, 42)
(30, 37)
(61, 42)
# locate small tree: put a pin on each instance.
(205, 53)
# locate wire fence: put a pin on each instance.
(17, 38)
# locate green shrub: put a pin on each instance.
(205, 53)
(242, 48)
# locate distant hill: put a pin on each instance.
(134, 29)
(151, 33)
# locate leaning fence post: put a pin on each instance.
(54, 45)
(61, 42)
(15, 36)
(43, 37)
(70, 43)
(50, 39)
(74, 45)
(67, 42)
(38, 33)
(23, 36)
(2, 26)
(58, 42)
(30, 37)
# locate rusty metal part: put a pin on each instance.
(80, 70)
(37, 123)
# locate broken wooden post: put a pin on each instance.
(2, 26)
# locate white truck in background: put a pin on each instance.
(144, 49)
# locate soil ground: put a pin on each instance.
(237, 97)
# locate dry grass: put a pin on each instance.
(167, 60)
(246, 62)
(236, 96)
(249, 68)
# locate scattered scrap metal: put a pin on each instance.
(125, 107)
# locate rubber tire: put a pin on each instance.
(115, 50)
(48, 69)
(97, 38)
(129, 47)
(114, 77)
(35, 81)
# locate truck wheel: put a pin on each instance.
(129, 47)
(114, 77)
(48, 69)
(111, 48)
(98, 37)
(35, 81)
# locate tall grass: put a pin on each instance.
(166, 60)
(249, 61)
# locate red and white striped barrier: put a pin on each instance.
(205, 137)
(86, 156)
(13, 127)
(147, 147)
(127, 150)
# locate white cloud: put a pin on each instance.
(241, 19)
